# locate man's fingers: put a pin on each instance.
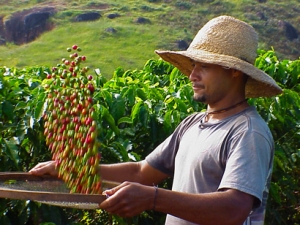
(109, 204)
(113, 196)
(112, 191)
(128, 199)
(44, 168)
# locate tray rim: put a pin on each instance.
(45, 196)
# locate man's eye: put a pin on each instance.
(193, 63)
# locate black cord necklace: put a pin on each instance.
(223, 110)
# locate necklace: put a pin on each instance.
(223, 110)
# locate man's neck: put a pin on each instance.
(222, 113)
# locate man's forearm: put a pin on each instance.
(120, 172)
(228, 207)
(140, 172)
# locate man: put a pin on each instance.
(220, 160)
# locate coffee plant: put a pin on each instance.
(134, 110)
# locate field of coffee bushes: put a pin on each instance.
(135, 110)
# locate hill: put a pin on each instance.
(129, 38)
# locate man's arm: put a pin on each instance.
(140, 172)
(227, 207)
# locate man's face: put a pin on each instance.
(210, 82)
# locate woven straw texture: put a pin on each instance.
(228, 42)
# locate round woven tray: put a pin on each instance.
(47, 190)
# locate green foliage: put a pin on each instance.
(282, 114)
(22, 100)
(137, 110)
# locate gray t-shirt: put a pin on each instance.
(236, 152)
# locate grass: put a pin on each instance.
(103, 49)
(133, 44)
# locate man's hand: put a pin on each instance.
(44, 168)
(128, 199)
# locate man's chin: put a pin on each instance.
(198, 98)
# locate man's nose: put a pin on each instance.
(194, 75)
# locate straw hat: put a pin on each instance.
(228, 42)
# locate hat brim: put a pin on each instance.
(259, 84)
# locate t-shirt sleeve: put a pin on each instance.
(163, 156)
(249, 164)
